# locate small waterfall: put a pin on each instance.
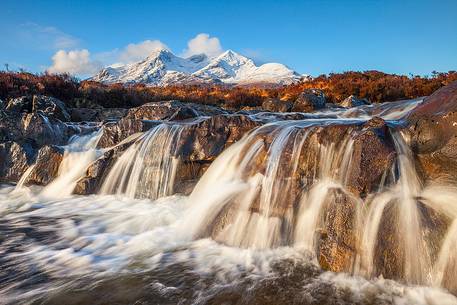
(79, 154)
(257, 178)
(147, 168)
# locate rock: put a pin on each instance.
(163, 110)
(95, 173)
(353, 101)
(2, 105)
(14, 160)
(433, 130)
(143, 118)
(373, 155)
(308, 101)
(276, 105)
(97, 115)
(46, 165)
(184, 113)
(20, 104)
(337, 245)
(10, 127)
(45, 131)
(205, 140)
(51, 106)
(114, 133)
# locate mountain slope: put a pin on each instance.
(164, 68)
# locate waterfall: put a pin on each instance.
(79, 154)
(147, 168)
(256, 204)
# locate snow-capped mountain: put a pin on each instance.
(163, 68)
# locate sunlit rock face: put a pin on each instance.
(433, 127)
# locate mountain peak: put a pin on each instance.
(163, 68)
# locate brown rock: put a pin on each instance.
(46, 165)
(276, 105)
(433, 129)
(308, 101)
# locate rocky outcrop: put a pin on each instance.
(145, 117)
(52, 107)
(433, 130)
(308, 101)
(41, 130)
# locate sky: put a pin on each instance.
(312, 37)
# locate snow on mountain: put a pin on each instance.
(162, 68)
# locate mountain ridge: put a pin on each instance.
(162, 68)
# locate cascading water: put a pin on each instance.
(147, 168)
(260, 220)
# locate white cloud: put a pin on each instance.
(203, 43)
(46, 37)
(76, 62)
(139, 51)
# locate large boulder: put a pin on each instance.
(51, 106)
(433, 130)
(308, 101)
(46, 165)
(276, 105)
(14, 160)
(42, 130)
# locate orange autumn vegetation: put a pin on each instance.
(374, 85)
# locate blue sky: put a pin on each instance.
(311, 37)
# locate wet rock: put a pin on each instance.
(353, 101)
(308, 101)
(337, 244)
(188, 174)
(51, 106)
(276, 105)
(46, 165)
(14, 160)
(373, 155)
(115, 132)
(44, 131)
(97, 115)
(147, 116)
(95, 173)
(164, 110)
(205, 140)
(20, 104)
(389, 259)
(433, 129)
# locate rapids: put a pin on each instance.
(245, 235)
